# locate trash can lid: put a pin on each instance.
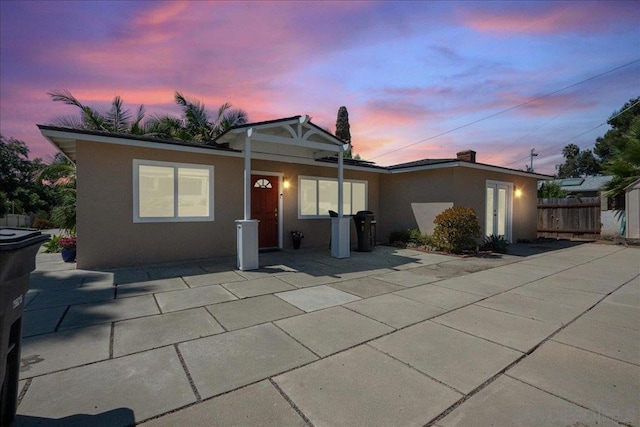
(15, 238)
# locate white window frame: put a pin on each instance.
(323, 178)
(136, 195)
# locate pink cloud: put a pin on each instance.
(548, 18)
(548, 105)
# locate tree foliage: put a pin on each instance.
(20, 191)
(620, 122)
(580, 163)
(195, 125)
(343, 131)
(116, 120)
(624, 161)
(551, 190)
(577, 163)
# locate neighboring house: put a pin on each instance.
(143, 200)
(610, 207)
(632, 195)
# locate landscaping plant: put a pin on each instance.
(497, 244)
(457, 229)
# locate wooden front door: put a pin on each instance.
(264, 207)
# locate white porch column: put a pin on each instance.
(247, 228)
(340, 232)
(247, 175)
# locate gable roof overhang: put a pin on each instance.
(292, 136)
(295, 138)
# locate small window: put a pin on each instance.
(262, 183)
(172, 192)
(318, 196)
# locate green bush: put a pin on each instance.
(53, 245)
(411, 237)
(399, 236)
(457, 229)
(496, 244)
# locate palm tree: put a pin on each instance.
(116, 120)
(624, 163)
(227, 118)
(195, 125)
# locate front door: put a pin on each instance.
(264, 207)
(498, 209)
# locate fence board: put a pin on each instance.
(569, 216)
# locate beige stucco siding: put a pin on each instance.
(317, 231)
(462, 186)
(107, 235)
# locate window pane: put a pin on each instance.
(502, 212)
(156, 191)
(328, 197)
(193, 192)
(489, 212)
(359, 194)
(308, 197)
(346, 201)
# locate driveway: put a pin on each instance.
(549, 335)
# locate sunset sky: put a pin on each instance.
(511, 75)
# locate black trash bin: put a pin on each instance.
(18, 248)
(365, 220)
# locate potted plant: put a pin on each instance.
(68, 246)
(297, 237)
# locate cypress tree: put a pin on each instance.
(343, 129)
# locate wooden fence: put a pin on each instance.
(571, 217)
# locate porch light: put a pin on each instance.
(518, 193)
(286, 184)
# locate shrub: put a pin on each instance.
(399, 236)
(496, 244)
(411, 237)
(456, 230)
(53, 245)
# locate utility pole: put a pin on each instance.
(533, 154)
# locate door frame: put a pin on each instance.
(509, 213)
(280, 177)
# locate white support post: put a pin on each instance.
(340, 232)
(247, 175)
(247, 229)
(340, 184)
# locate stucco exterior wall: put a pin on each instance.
(108, 237)
(317, 232)
(461, 186)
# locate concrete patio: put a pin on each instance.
(548, 335)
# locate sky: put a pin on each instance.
(419, 79)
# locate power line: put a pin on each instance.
(505, 110)
(590, 130)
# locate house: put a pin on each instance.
(632, 196)
(143, 200)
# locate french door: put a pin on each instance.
(498, 209)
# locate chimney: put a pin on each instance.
(467, 156)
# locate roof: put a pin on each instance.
(423, 162)
(582, 185)
(426, 164)
(292, 135)
(634, 185)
